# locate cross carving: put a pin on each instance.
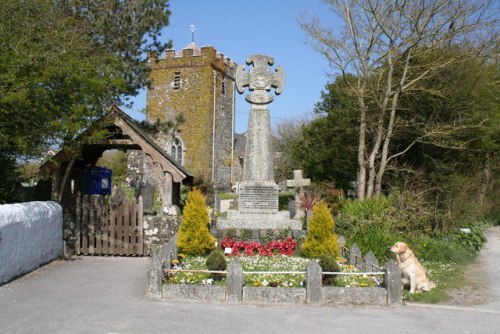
(260, 79)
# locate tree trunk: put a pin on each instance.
(65, 178)
(485, 182)
(361, 152)
(385, 149)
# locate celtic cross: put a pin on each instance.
(260, 79)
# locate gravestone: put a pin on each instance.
(258, 205)
(147, 191)
(298, 183)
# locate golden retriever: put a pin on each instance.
(412, 272)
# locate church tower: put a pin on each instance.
(199, 83)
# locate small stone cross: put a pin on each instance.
(298, 183)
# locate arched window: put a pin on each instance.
(175, 149)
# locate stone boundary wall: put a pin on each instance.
(31, 234)
(313, 293)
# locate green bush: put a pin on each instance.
(320, 239)
(216, 261)
(194, 237)
(377, 237)
(473, 240)
(328, 264)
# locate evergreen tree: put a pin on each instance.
(194, 237)
(321, 239)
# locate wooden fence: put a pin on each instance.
(109, 225)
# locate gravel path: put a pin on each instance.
(482, 288)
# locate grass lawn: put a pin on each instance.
(447, 276)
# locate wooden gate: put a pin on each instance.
(109, 225)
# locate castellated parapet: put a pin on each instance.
(198, 82)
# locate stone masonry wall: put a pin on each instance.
(200, 74)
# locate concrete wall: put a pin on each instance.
(31, 234)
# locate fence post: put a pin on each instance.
(313, 282)
(393, 283)
(234, 281)
(342, 245)
(155, 276)
(370, 260)
(353, 252)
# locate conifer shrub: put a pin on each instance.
(328, 264)
(216, 261)
(320, 239)
(193, 236)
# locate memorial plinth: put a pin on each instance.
(258, 194)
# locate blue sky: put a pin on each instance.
(239, 29)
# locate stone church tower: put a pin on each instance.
(199, 83)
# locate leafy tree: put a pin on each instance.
(455, 118)
(326, 148)
(321, 238)
(194, 236)
(374, 52)
(64, 62)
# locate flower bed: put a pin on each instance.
(269, 264)
(251, 248)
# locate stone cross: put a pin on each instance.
(298, 183)
(260, 79)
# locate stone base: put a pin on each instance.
(258, 221)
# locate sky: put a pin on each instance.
(238, 29)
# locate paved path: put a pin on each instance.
(106, 295)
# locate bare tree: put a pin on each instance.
(285, 134)
(375, 52)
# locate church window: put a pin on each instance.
(223, 87)
(176, 150)
(177, 80)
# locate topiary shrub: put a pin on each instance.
(194, 237)
(320, 239)
(328, 263)
(216, 261)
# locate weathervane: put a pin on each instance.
(193, 29)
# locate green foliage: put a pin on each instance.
(320, 239)
(216, 261)
(328, 264)
(376, 224)
(284, 198)
(63, 63)
(473, 240)
(355, 214)
(326, 147)
(11, 184)
(194, 237)
(117, 162)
